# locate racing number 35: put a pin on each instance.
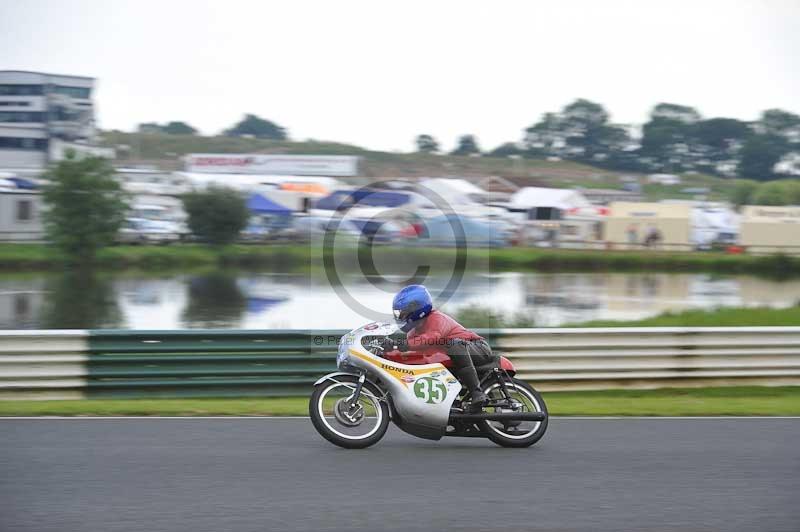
(430, 390)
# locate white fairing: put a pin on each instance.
(422, 394)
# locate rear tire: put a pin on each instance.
(530, 398)
(331, 430)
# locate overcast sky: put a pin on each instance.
(378, 73)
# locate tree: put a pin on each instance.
(780, 123)
(781, 192)
(149, 127)
(426, 144)
(719, 133)
(216, 215)
(86, 206)
(580, 131)
(257, 127)
(546, 137)
(759, 156)
(667, 142)
(505, 150)
(171, 128)
(179, 128)
(467, 145)
(583, 114)
(742, 192)
(673, 111)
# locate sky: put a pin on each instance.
(378, 73)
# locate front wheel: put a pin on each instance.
(523, 399)
(348, 424)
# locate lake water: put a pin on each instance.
(285, 301)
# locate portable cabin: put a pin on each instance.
(628, 225)
(770, 229)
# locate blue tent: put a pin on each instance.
(24, 184)
(362, 198)
(261, 205)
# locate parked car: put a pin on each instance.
(379, 231)
(144, 231)
(444, 231)
(315, 227)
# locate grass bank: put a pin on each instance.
(722, 317)
(291, 257)
(486, 318)
(166, 150)
(43, 257)
(723, 401)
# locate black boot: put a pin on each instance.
(469, 377)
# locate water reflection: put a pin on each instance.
(81, 299)
(215, 301)
(253, 300)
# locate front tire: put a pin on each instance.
(511, 435)
(351, 429)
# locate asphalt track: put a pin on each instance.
(224, 475)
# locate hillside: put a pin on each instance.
(165, 151)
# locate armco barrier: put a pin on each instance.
(74, 364)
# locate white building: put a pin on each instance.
(43, 115)
(20, 215)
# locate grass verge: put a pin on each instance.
(722, 401)
(722, 317)
(303, 257)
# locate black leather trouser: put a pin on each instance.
(469, 353)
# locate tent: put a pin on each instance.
(258, 204)
(559, 198)
(24, 184)
(458, 191)
(363, 198)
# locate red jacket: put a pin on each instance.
(436, 330)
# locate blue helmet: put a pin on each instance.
(410, 305)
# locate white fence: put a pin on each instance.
(653, 357)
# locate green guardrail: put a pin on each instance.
(207, 362)
(124, 363)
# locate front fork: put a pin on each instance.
(348, 411)
(353, 399)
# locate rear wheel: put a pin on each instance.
(523, 399)
(348, 424)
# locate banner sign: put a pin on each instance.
(311, 165)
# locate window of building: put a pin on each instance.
(15, 104)
(21, 90)
(24, 211)
(74, 92)
(21, 116)
(12, 143)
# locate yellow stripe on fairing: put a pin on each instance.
(394, 373)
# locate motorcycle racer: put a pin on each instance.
(426, 327)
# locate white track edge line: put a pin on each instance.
(560, 418)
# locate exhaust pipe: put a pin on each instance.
(498, 416)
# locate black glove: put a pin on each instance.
(387, 344)
(391, 343)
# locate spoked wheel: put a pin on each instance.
(523, 399)
(348, 424)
